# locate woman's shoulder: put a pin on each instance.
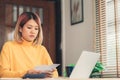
(9, 43)
(41, 46)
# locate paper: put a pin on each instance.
(46, 67)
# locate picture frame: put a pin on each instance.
(76, 11)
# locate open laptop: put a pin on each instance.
(84, 65)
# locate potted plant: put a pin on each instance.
(97, 69)
(95, 72)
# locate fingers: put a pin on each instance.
(53, 70)
(48, 74)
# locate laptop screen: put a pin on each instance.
(84, 65)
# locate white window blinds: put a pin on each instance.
(108, 36)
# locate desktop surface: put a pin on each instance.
(61, 78)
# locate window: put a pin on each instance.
(108, 36)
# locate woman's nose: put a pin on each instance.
(33, 31)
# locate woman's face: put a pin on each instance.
(29, 30)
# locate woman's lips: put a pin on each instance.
(32, 36)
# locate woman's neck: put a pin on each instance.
(25, 42)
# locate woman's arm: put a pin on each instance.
(48, 61)
(5, 64)
(11, 74)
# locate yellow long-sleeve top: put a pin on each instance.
(16, 59)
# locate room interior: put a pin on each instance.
(68, 39)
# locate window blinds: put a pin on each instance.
(108, 36)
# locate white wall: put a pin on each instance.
(79, 37)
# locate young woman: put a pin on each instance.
(19, 57)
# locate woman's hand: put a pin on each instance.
(48, 74)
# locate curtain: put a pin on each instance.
(107, 39)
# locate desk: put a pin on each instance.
(61, 79)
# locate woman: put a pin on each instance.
(19, 57)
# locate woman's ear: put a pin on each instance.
(20, 29)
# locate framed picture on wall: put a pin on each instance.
(76, 11)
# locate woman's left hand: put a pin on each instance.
(49, 73)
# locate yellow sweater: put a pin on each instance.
(16, 59)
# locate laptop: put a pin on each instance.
(84, 65)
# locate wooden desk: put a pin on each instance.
(61, 79)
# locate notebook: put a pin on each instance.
(84, 65)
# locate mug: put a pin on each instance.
(69, 70)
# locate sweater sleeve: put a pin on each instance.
(48, 61)
(5, 69)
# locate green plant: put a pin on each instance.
(97, 69)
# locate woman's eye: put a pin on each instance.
(36, 28)
(29, 27)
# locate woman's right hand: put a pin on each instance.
(48, 74)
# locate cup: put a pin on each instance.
(69, 70)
